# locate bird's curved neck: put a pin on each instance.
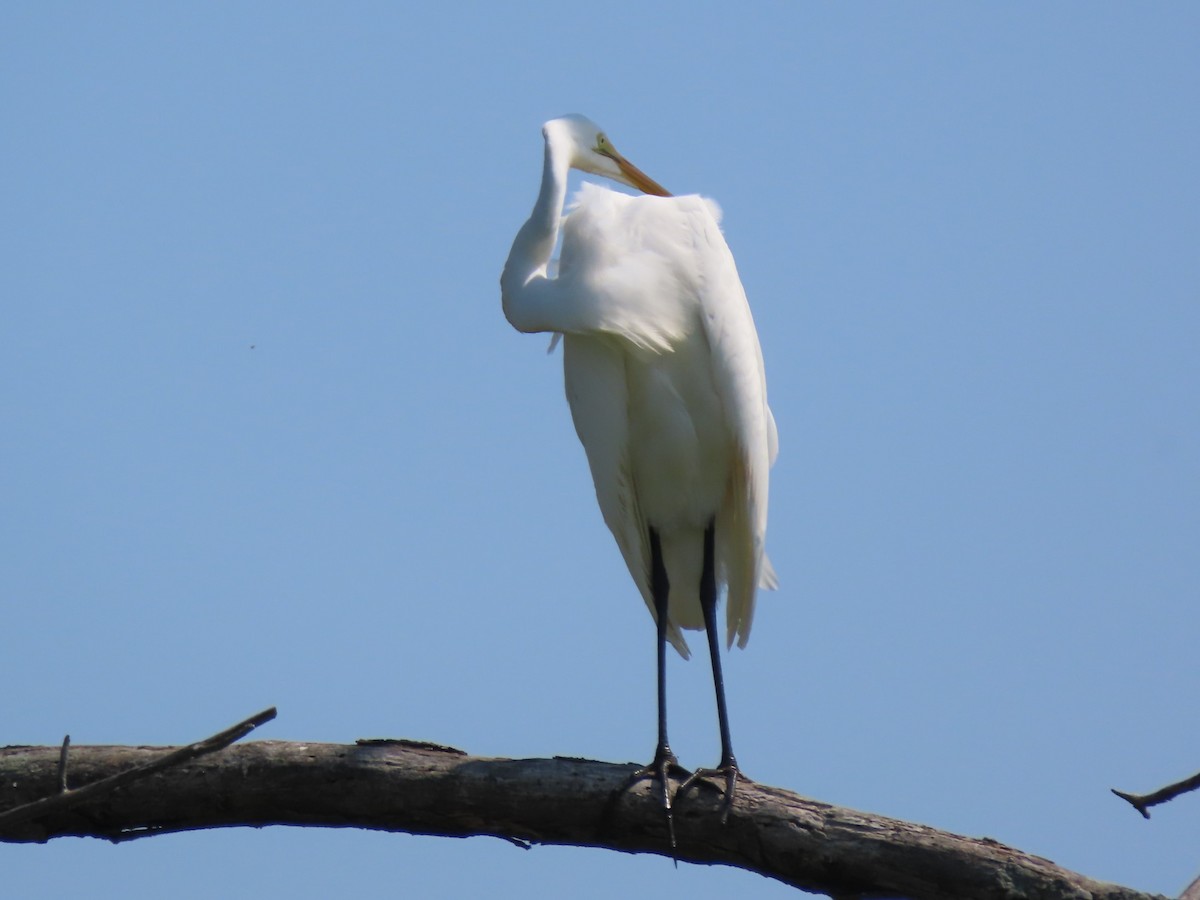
(534, 243)
(547, 211)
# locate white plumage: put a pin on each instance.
(668, 395)
(665, 380)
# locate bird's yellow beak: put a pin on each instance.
(636, 176)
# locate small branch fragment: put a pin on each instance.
(1143, 802)
(62, 764)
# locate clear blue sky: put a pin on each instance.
(268, 438)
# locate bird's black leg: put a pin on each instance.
(708, 605)
(664, 762)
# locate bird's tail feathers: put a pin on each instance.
(766, 575)
(675, 636)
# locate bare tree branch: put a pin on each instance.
(63, 798)
(1143, 802)
(423, 788)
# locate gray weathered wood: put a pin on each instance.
(425, 789)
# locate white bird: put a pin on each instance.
(664, 376)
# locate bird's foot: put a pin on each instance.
(728, 769)
(660, 769)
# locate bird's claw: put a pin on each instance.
(727, 769)
(660, 769)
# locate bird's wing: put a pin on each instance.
(639, 270)
(594, 375)
(611, 276)
(739, 378)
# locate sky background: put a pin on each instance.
(268, 439)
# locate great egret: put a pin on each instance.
(664, 376)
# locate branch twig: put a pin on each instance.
(62, 764)
(66, 798)
(1143, 802)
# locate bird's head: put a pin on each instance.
(589, 150)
